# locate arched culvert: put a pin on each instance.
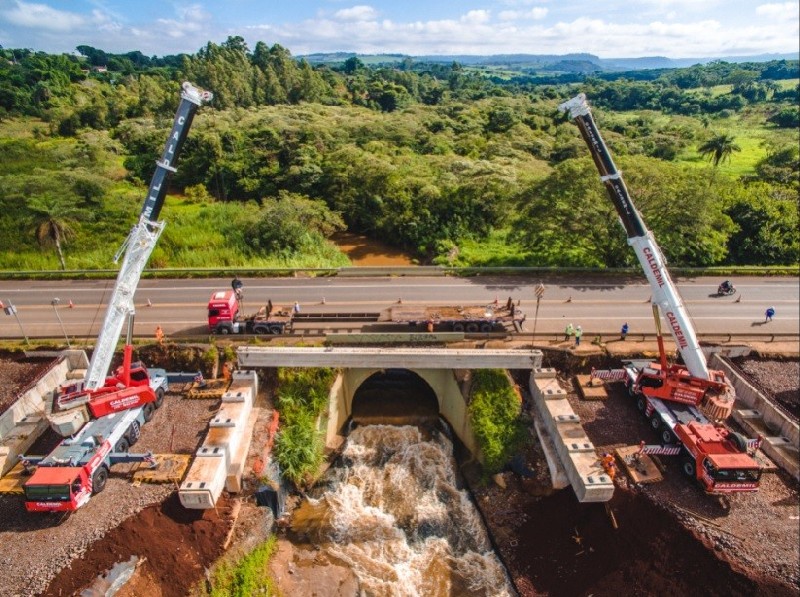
(395, 397)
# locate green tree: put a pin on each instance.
(719, 149)
(567, 219)
(54, 222)
(290, 222)
(766, 228)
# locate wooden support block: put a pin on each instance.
(13, 480)
(640, 467)
(595, 391)
(170, 469)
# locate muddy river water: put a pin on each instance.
(391, 511)
(364, 251)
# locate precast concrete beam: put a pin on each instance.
(385, 358)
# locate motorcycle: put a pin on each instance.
(723, 290)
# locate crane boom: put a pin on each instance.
(665, 293)
(142, 239)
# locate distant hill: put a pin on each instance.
(578, 62)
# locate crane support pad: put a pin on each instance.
(211, 389)
(640, 467)
(590, 389)
(13, 480)
(170, 468)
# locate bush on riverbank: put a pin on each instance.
(301, 398)
(248, 576)
(494, 412)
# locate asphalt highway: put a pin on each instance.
(599, 304)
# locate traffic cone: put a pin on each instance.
(70, 305)
(149, 304)
(400, 301)
(496, 300)
(738, 299)
(569, 300)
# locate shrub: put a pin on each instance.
(494, 411)
(302, 397)
(249, 576)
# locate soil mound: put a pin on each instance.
(177, 544)
(573, 549)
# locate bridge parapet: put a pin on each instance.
(383, 358)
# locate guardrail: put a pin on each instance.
(555, 338)
(413, 270)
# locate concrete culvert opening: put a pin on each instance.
(395, 397)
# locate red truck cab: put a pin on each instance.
(57, 489)
(223, 309)
(718, 459)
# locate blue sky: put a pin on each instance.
(607, 28)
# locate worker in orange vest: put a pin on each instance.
(159, 335)
(609, 466)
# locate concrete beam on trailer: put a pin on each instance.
(388, 358)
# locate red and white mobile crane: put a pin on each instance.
(120, 403)
(131, 385)
(672, 395)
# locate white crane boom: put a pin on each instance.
(665, 293)
(142, 240)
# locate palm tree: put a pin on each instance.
(719, 149)
(53, 221)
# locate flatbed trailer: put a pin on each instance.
(448, 318)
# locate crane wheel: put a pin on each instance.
(486, 328)
(655, 421)
(99, 479)
(667, 436)
(148, 411)
(134, 431)
(738, 440)
(159, 397)
(458, 327)
(688, 468)
(122, 445)
(472, 328)
(275, 330)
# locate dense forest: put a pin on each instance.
(453, 164)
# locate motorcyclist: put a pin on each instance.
(726, 286)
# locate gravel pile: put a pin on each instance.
(757, 532)
(778, 379)
(34, 548)
(16, 375)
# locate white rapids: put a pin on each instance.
(394, 515)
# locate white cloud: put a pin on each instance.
(521, 2)
(534, 14)
(522, 26)
(779, 11)
(476, 16)
(41, 16)
(192, 19)
(361, 12)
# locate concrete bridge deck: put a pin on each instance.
(394, 357)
